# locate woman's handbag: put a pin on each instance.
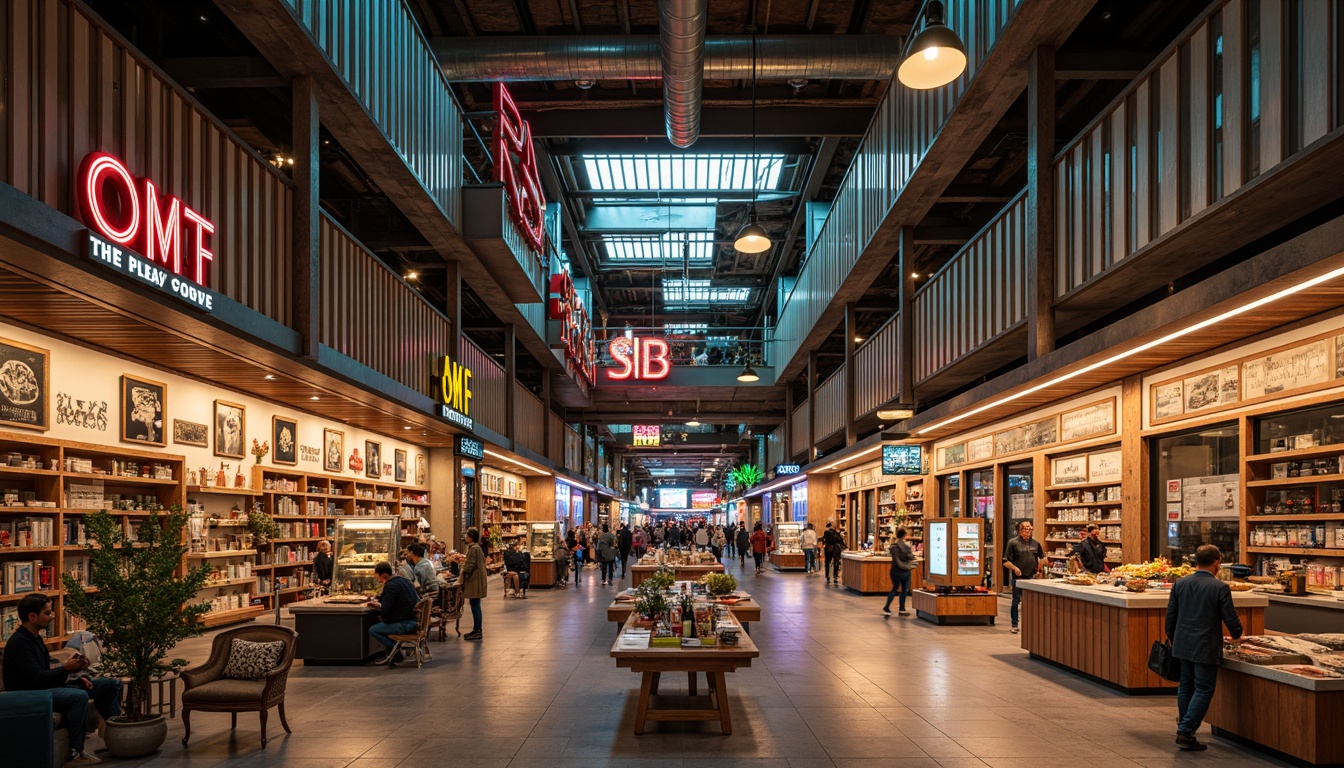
(1162, 663)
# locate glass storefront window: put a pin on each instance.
(950, 486)
(1196, 493)
(1020, 491)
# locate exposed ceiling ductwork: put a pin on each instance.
(681, 34)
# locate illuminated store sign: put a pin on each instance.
(787, 469)
(647, 435)
(637, 358)
(455, 393)
(516, 169)
(576, 330)
(152, 238)
(471, 448)
(704, 499)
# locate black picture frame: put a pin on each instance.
(144, 411)
(24, 386)
(230, 429)
(284, 440)
(399, 466)
(373, 458)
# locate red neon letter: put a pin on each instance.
(620, 349)
(96, 170)
(651, 352)
(201, 227)
(163, 235)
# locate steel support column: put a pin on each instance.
(847, 408)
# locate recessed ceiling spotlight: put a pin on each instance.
(412, 275)
(315, 397)
(407, 427)
(269, 377)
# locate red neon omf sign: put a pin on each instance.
(576, 330)
(516, 169)
(133, 214)
(639, 358)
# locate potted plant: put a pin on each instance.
(262, 527)
(719, 584)
(140, 608)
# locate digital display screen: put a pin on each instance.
(902, 460)
(673, 498)
(704, 499)
(936, 551)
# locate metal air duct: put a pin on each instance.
(681, 34)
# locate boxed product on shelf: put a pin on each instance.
(85, 495)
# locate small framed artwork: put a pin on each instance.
(399, 466)
(24, 385)
(230, 429)
(421, 472)
(333, 448)
(144, 406)
(191, 433)
(373, 459)
(285, 439)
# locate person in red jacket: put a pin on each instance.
(759, 544)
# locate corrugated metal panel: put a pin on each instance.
(73, 90)
(573, 450)
(977, 296)
(902, 130)
(528, 419)
(377, 48)
(830, 405)
(372, 316)
(774, 447)
(877, 364)
(798, 441)
(489, 388)
(555, 451)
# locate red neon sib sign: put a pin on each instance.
(132, 213)
(638, 358)
(576, 330)
(516, 169)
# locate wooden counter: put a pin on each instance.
(1106, 633)
(642, 571)
(543, 573)
(867, 575)
(1310, 613)
(334, 633)
(955, 607)
(1278, 711)
(789, 561)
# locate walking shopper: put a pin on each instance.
(759, 544)
(1200, 604)
(716, 543)
(625, 541)
(902, 563)
(730, 536)
(743, 543)
(810, 549)
(640, 541)
(606, 554)
(832, 544)
(1022, 556)
(572, 544)
(473, 580)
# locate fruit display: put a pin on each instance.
(1160, 568)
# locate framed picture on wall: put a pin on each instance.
(24, 385)
(333, 448)
(191, 433)
(421, 471)
(230, 429)
(144, 407)
(399, 466)
(285, 439)
(373, 459)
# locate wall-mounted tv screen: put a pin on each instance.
(673, 498)
(902, 460)
(704, 499)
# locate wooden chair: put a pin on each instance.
(204, 689)
(418, 640)
(451, 603)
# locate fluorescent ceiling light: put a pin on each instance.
(512, 460)
(576, 484)
(848, 459)
(1201, 325)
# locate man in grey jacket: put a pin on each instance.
(902, 564)
(1200, 604)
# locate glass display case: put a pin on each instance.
(541, 540)
(789, 538)
(954, 549)
(361, 544)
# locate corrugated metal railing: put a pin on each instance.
(830, 405)
(489, 388)
(774, 448)
(798, 440)
(529, 423)
(877, 366)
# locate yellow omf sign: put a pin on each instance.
(455, 392)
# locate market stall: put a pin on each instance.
(866, 573)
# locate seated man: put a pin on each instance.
(423, 575)
(517, 569)
(396, 609)
(28, 668)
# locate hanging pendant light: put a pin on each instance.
(748, 375)
(753, 238)
(935, 56)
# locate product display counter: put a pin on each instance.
(1106, 633)
(955, 607)
(544, 573)
(642, 571)
(334, 631)
(1279, 711)
(866, 574)
(788, 561)
(1308, 613)
(745, 611)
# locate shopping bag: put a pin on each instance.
(1162, 663)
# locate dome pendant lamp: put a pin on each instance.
(753, 238)
(748, 375)
(935, 56)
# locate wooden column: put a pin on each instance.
(1135, 526)
(905, 354)
(847, 408)
(453, 308)
(1040, 202)
(510, 383)
(306, 264)
(811, 405)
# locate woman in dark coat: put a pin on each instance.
(473, 580)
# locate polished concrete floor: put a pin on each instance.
(837, 684)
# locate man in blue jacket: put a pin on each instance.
(396, 609)
(1200, 604)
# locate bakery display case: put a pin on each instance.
(362, 543)
(788, 554)
(541, 539)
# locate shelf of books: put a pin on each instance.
(47, 486)
(1084, 488)
(504, 505)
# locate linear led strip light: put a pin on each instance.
(511, 460)
(1228, 315)
(861, 454)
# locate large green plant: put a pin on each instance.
(139, 606)
(747, 475)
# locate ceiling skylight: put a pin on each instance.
(682, 172)
(667, 247)
(680, 291)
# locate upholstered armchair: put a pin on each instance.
(204, 688)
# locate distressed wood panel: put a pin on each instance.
(877, 365)
(489, 388)
(372, 316)
(976, 297)
(74, 89)
(529, 420)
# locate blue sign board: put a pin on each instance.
(787, 469)
(470, 448)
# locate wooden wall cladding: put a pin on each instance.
(377, 48)
(1156, 157)
(976, 297)
(528, 420)
(372, 316)
(877, 363)
(489, 388)
(555, 448)
(830, 405)
(73, 89)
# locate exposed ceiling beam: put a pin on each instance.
(973, 195)
(649, 195)
(719, 144)
(944, 235)
(225, 72)
(638, 122)
(1101, 65)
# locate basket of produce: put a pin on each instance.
(1160, 568)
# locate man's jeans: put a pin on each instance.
(73, 702)
(900, 585)
(810, 557)
(1194, 694)
(833, 565)
(381, 630)
(1017, 601)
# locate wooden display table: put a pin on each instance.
(789, 561)
(1309, 613)
(955, 607)
(865, 574)
(1106, 633)
(714, 661)
(1283, 713)
(642, 571)
(334, 633)
(745, 611)
(543, 573)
